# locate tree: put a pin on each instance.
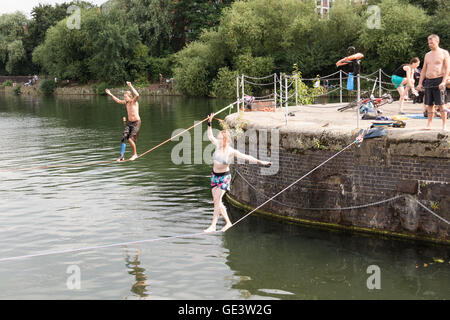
(102, 49)
(45, 16)
(315, 43)
(113, 46)
(190, 17)
(154, 21)
(403, 33)
(12, 33)
(259, 37)
(432, 7)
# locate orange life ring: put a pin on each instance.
(348, 59)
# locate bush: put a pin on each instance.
(192, 79)
(103, 49)
(47, 86)
(17, 90)
(156, 66)
(101, 88)
(197, 65)
(254, 67)
(224, 86)
(7, 83)
(394, 44)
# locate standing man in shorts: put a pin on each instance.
(131, 131)
(436, 68)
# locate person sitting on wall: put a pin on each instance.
(248, 101)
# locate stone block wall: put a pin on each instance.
(381, 169)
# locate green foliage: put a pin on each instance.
(441, 26)
(45, 16)
(403, 33)
(434, 205)
(259, 37)
(105, 47)
(7, 83)
(192, 78)
(315, 43)
(12, 51)
(47, 86)
(112, 46)
(17, 90)
(19, 36)
(224, 86)
(101, 88)
(196, 66)
(317, 144)
(156, 66)
(191, 17)
(154, 21)
(305, 94)
(254, 66)
(133, 40)
(432, 7)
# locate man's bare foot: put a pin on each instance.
(427, 128)
(210, 229)
(226, 227)
(133, 157)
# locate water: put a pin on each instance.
(68, 208)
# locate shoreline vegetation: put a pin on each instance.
(93, 89)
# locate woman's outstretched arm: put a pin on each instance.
(210, 133)
(250, 158)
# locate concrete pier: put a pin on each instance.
(409, 164)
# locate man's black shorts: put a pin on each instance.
(131, 130)
(433, 95)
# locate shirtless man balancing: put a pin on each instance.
(436, 67)
(131, 131)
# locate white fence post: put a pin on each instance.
(275, 91)
(379, 84)
(243, 93)
(287, 99)
(237, 94)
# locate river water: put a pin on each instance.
(65, 208)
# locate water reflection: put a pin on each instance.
(286, 261)
(141, 283)
(153, 197)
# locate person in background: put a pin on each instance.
(403, 80)
(433, 79)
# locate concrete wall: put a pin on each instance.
(417, 168)
(18, 79)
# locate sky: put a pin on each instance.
(25, 6)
